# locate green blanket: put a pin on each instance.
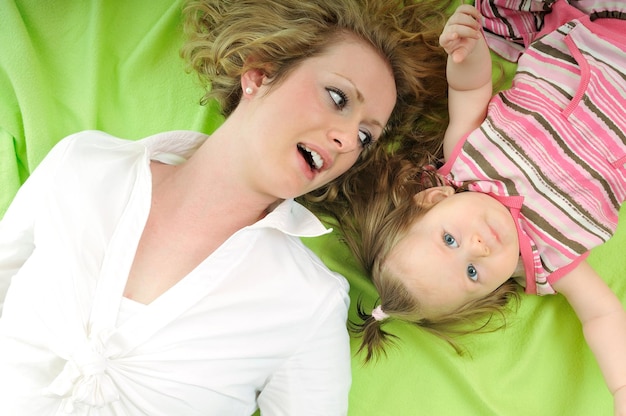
(68, 65)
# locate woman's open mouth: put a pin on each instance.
(313, 158)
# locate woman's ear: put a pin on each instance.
(430, 196)
(252, 80)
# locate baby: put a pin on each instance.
(532, 179)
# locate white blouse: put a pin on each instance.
(261, 320)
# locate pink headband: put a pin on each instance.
(378, 314)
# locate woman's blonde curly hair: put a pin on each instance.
(226, 38)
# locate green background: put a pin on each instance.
(70, 65)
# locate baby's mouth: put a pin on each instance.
(313, 158)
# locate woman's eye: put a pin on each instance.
(365, 138)
(341, 101)
(449, 240)
(472, 273)
(339, 97)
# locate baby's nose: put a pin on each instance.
(480, 246)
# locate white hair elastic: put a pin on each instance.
(378, 314)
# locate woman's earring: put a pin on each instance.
(248, 90)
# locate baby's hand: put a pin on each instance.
(461, 32)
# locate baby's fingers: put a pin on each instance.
(452, 39)
(459, 55)
(447, 38)
(460, 33)
(465, 21)
(465, 13)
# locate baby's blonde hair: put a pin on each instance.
(380, 210)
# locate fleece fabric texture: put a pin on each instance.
(67, 66)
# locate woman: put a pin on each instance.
(166, 275)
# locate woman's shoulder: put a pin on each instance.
(91, 142)
(95, 145)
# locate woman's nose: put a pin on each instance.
(344, 140)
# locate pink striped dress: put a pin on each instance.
(510, 26)
(553, 147)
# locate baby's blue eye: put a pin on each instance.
(365, 138)
(472, 273)
(449, 240)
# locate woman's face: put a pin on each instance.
(311, 127)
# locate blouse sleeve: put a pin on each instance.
(316, 380)
(18, 224)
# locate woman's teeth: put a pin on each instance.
(314, 158)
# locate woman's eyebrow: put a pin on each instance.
(359, 96)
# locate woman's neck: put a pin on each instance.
(206, 195)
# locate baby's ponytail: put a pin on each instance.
(374, 338)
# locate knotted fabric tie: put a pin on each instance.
(84, 379)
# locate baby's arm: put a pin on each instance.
(604, 324)
(468, 72)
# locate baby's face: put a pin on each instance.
(462, 249)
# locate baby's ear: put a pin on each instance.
(429, 197)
